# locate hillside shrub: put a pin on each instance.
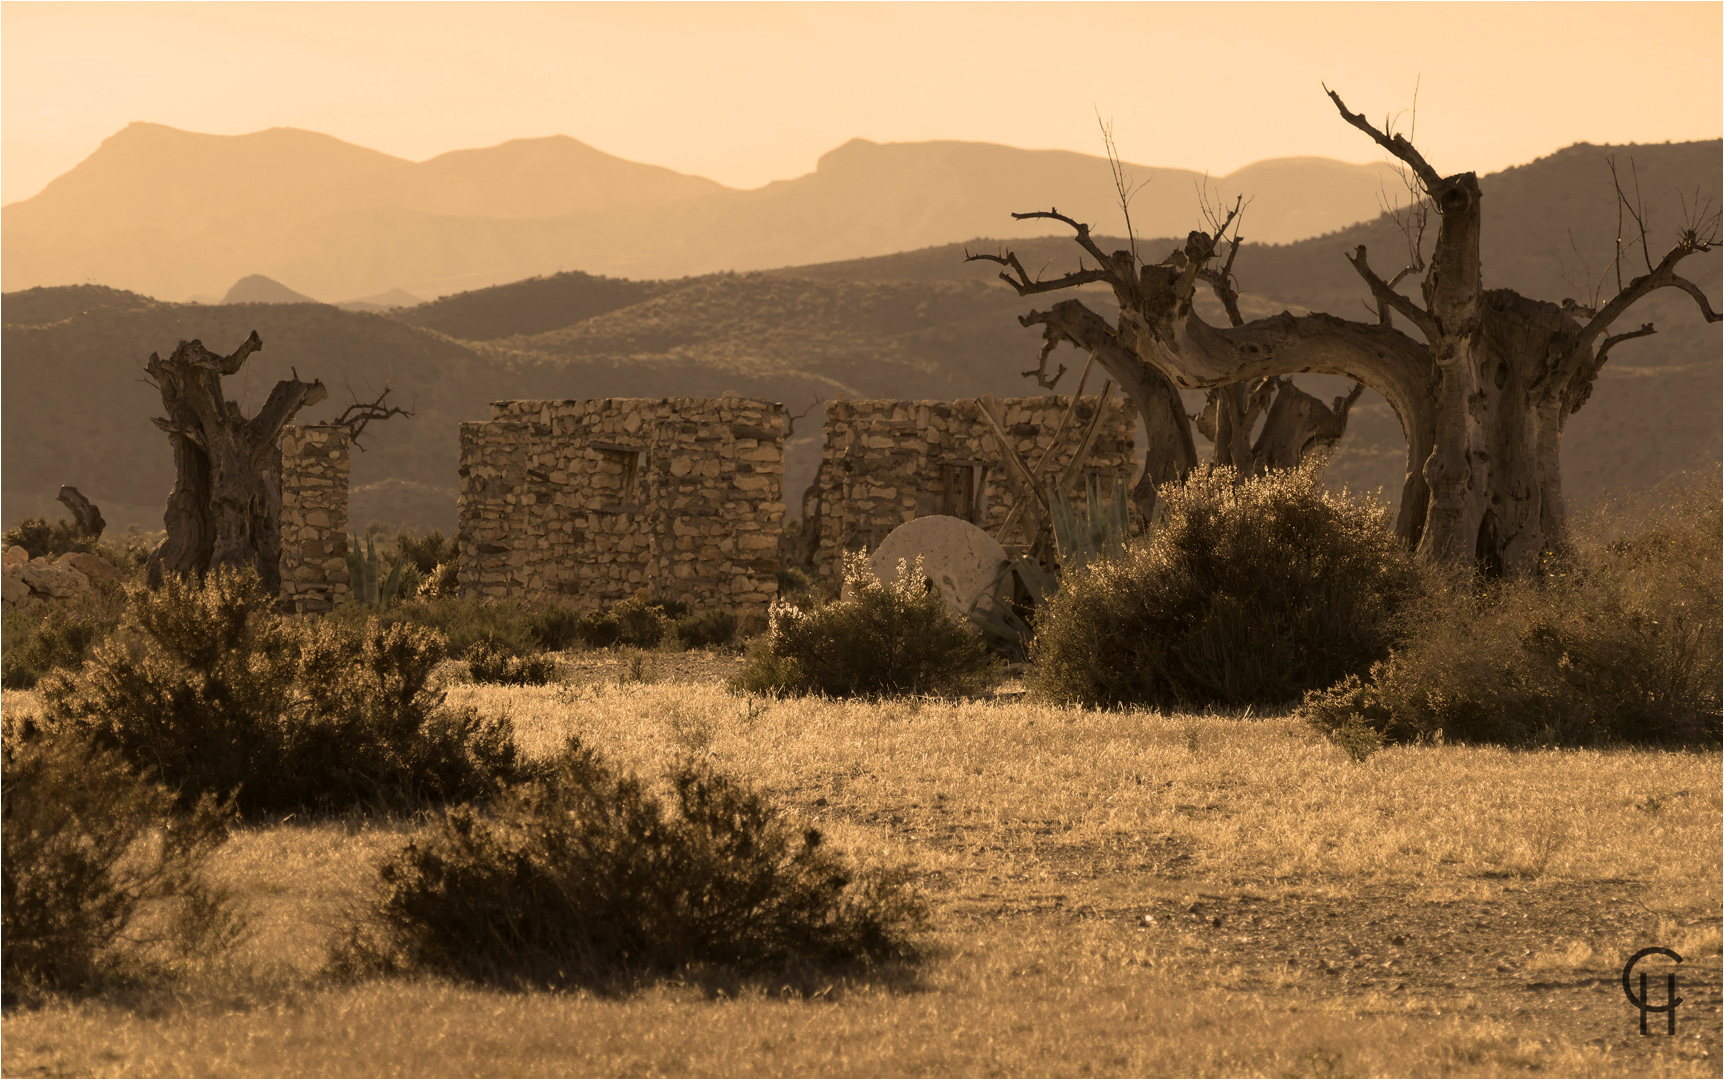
(1613, 642)
(896, 638)
(586, 877)
(212, 690)
(1248, 591)
(59, 634)
(489, 662)
(710, 629)
(42, 538)
(88, 846)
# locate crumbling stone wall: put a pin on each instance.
(315, 465)
(593, 500)
(888, 462)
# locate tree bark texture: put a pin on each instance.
(225, 507)
(1482, 392)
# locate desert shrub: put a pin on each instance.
(883, 639)
(794, 581)
(193, 686)
(489, 662)
(373, 732)
(425, 553)
(585, 877)
(555, 627)
(59, 634)
(1248, 591)
(89, 846)
(442, 582)
(1612, 642)
(706, 630)
(430, 564)
(468, 620)
(598, 629)
(637, 620)
(640, 621)
(42, 538)
(212, 690)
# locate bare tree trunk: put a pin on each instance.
(225, 508)
(84, 512)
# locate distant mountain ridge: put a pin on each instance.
(178, 214)
(917, 323)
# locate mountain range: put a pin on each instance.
(911, 323)
(180, 215)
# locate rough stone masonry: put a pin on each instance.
(591, 501)
(887, 462)
(315, 464)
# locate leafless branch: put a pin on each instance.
(1222, 282)
(1387, 297)
(1616, 339)
(1635, 209)
(1025, 285)
(1082, 230)
(360, 413)
(1394, 144)
(1121, 182)
(791, 418)
(1040, 371)
(1584, 285)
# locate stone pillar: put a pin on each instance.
(314, 478)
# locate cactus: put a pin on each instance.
(1097, 530)
(366, 581)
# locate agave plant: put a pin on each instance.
(365, 577)
(1096, 530)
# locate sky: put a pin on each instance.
(750, 93)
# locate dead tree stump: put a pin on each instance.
(225, 507)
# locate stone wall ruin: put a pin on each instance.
(888, 462)
(590, 501)
(315, 465)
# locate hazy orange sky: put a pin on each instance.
(750, 93)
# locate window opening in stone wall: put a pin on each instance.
(967, 490)
(631, 464)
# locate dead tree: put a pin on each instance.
(85, 514)
(225, 508)
(1482, 391)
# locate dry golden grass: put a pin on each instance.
(1114, 893)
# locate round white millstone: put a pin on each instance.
(961, 559)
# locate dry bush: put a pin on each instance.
(1249, 591)
(1614, 642)
(489, 662)
(709, 629)
(586, 878)
(45, 539)
(212, 690)
(897, 638)
(59, 634)
(88, 846)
